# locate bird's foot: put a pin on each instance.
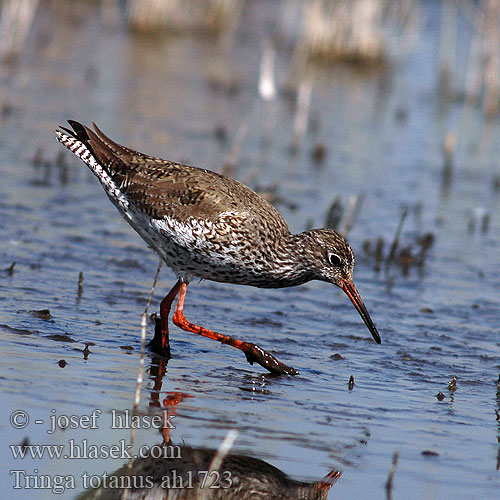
(256, 354)
(158, 344)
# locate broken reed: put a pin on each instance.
(482, 62)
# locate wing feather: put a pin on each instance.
(162, 188)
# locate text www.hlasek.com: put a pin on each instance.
(83, 450)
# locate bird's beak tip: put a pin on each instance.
(352, 293)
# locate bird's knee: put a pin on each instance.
(178, 319)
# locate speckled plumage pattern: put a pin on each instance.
(206, 225)
(202, 223)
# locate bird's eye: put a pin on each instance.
(334, 259)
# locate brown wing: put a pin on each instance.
(163, 188)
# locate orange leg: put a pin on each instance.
(161, 342)
(254, 353)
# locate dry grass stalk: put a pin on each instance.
(16, 17)
(447, 46)
(216, 463)
(289, 17)
(482, 79)
(302, 111)
(395, 242)
(352, 213)
(491, 104)
(360, 31)
(140, 370)
(474, 77)
(390, 479)
(212, 16)
(229, 164)
(342, 30)
(267, 85)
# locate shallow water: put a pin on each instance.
(438, 321)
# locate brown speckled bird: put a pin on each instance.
(206, 225)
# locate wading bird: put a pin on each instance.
(206, 225)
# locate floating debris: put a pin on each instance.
(351, 383)
(18, 331)
(58, 337)
(10, 269)
(42, 313)
(452, 385)
(406, 259)
(86, 352)
(426, 241)
(430, 453)
(337, 356)
(318, 153)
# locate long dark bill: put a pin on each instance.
(352, 293)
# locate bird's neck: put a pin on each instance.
(288, 265)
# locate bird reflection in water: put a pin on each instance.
(188, 473)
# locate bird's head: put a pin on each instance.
(328, 257)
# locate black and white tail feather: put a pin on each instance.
(111, 170)
(78, 142)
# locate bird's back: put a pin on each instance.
(211, 216)
(162, 188)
